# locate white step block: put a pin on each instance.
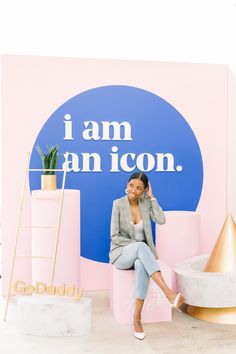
(54, 315)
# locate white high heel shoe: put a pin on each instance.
(179, 301)
(138, 335)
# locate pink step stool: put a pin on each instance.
(122, 296)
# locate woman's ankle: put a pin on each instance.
(137, 318)
(170, 296)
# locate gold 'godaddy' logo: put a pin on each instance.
(40, 288)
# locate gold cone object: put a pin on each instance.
(223, 255)
(222, 259)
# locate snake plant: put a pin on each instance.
(49, 159)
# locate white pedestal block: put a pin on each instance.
(54, 316)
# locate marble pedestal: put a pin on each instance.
(54, 315)
(211, 296)
(205, 289)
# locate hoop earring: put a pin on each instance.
(126, 191)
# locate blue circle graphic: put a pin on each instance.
(110, 132)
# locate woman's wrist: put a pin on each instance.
(152, 197)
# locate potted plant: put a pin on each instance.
(49, 162)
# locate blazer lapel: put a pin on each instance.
(144, 215)
(128, 217)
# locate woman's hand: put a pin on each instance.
(149, 191)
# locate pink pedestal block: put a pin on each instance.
(122, 297)
(178, 238)
(45, 209)
(94, 275)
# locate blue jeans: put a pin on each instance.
(139, 256)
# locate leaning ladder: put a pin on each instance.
(53, 258)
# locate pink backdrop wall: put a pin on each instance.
(34, 87)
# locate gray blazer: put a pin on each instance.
(122, 227)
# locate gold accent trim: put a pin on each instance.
(225, 315)
(223, 255)
(48, 182)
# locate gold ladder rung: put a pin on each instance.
(43, 227)
(48, 198)
(29, 256)
(38, 227)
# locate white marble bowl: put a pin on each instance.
(205, 289)
(41, 315)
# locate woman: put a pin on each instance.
(132, 244)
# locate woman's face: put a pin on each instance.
(135, 189)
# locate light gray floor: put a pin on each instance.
(183, 335)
